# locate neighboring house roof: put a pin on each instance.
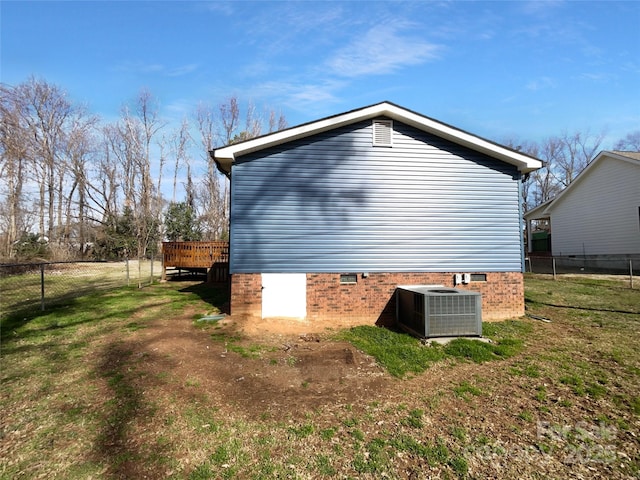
(225, 156)
(544, 209)
(634, 155)
(538, 212)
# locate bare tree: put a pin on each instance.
(81, 176)
(47, 141)
(229, 118)
(41, 138)
(276, 121)
(180, 143)
(13, 158)
(130, 140)
(209, 193)
(574, 153)
(630, 143)
(545, 184)
(103, 189)
(44, 116)
(253, 123)
(80, 146)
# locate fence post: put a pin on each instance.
(153, 259)
(42, 287)
(553, 262)
(127, 267)
(631, 272)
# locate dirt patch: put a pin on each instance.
(278, 373)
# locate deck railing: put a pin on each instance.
(208, 255)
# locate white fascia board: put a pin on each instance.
(226, 156)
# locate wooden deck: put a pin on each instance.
(211, 256)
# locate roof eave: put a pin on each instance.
(226, 156)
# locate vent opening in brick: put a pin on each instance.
(346, 278)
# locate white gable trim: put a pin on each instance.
(225, 157)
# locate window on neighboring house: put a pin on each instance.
(383, 133)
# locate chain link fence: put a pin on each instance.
(621, 266)
(26, 287)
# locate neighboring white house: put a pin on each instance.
(598, 214)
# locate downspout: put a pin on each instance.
(521, 179)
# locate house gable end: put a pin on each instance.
(333, 202)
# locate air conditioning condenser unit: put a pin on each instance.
(437, 311)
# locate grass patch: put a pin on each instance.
(465, 389)
(401, 353)
(480, 352)
(414, 419)
(235, 343)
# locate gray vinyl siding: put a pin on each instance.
(335, 203)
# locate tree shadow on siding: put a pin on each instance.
(301, 182)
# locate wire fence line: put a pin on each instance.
(26, 287)
(30, 286)
(621, 266)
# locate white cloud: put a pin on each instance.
(182, 70)
(541, 83)
(156, 68)
(225, 8)
(139, 67)
(382, 50)
(541, 7)
(300, 95)
(309, 94)
(596, 77)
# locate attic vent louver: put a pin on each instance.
(382, 133)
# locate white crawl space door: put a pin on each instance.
(284, 295)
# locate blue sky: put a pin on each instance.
(497, 69)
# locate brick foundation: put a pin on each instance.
(246, 294)
(371, 300)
